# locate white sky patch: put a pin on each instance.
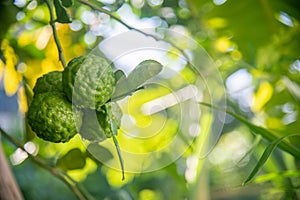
(169, 100)
(219, 2)
(126, 14)
(191, 171)
(239, 87)
(18, 157)
(107, 1)
(285, 19)
(130, 48)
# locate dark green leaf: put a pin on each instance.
(33, 51)
(67, 3)
(99, 152)
(61, 13)
(74, 159)
(270, 148)
(265, 133)
(142, 73)
(90, 128)
(276, 175)
(250, 150)
(119, 74)
(252, 29)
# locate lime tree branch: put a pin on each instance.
(73, 185)
(117, 18)
(55, 35)
(265, 133)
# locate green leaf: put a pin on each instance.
(293, 87)
(276, 175)
(142, 73)
(99, 152)
(270, 148)
(115, 113)
(250, 150)
(74, 159)
(67, 3)
(250, 30)
(265, 133)
(119, 74)
(90, 128)
(61, 13)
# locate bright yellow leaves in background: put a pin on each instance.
(262, 96)
(11, 77)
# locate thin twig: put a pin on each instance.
(55, 35)
(73, 185)
(115, 17)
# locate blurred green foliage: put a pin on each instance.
(260, 37)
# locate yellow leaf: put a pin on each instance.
(12, 78)
(236, 55)
(81, 174)
(217, 23)
(262, 96)
(147, 194)
(22, 100)
(222, 44)
(275, 123)
(1, 68)
(114, 177)
(26, 38)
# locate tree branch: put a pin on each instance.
(55, 35)
(115, 17)
(9, 188)
(73, 185)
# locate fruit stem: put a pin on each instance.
(55, 35)
(120, 155)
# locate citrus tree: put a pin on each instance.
(156, 99)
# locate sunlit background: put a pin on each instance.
(252, 46)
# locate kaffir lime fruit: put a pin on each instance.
(51, 117)
(88, 81)
(51, 82)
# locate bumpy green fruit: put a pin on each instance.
(52, 118)
(88, 81)
(51, 82)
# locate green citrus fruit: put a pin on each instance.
(88, 81)
(51, 117)
(51, 82)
